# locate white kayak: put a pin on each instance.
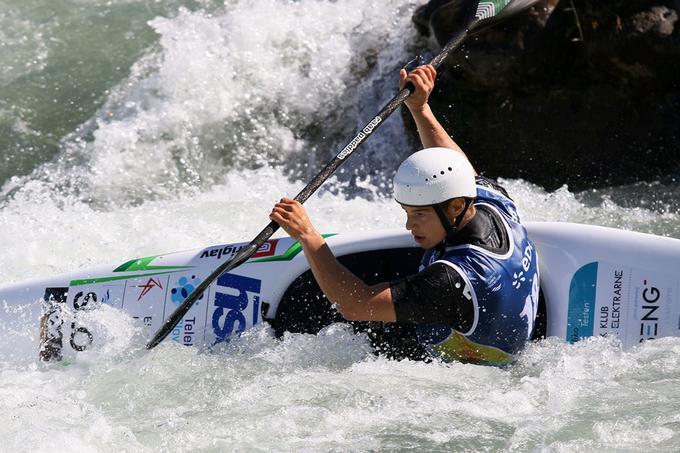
(594, 281)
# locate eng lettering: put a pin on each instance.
(651, 295)
(649, 321)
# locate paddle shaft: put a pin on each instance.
(246, 252)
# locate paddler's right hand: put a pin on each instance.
(294, 220)
(422, 79)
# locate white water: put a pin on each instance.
(192, 149)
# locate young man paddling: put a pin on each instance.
(476, 295)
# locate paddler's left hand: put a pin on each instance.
(294, 220)
(422, 78)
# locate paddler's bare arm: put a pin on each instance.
(431, 133)
(355, 300)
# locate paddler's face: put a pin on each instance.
(424, 225)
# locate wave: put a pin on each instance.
(251, 84)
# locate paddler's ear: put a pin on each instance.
(455, 207)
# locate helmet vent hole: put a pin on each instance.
(426, 179)
(450, 169)
(434, 176)
(442, 172)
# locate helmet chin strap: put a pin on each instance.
(451, 230)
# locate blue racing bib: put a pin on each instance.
(503, 289)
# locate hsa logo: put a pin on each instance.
(230, 301)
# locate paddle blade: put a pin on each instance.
(490, 12)
(477, 16)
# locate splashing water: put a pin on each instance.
(218, 111)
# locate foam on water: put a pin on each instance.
(309, 393)
(232, 108)
(328, 393)
(44, 236)
(261, 82)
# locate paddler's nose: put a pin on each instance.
(409, 223)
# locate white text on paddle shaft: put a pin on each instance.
(349, 149)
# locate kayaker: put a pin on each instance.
(476, 295)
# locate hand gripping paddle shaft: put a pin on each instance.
(481, 14)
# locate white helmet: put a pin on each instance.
(432, 176)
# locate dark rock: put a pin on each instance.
(658, 19)
(582, 92)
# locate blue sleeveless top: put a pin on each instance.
(503, 289)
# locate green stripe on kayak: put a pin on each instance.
(143, 264)
(90, 281)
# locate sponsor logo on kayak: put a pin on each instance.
(185, 331)
(146, 320)
(582, 298)
(649, 318)
(82, 299)
(232, 297)
(229, 251)
(81, 337)
(610, 316)
(184, 287)
(51, 322)
(148, 286)
(365, 132)
(267, 249)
